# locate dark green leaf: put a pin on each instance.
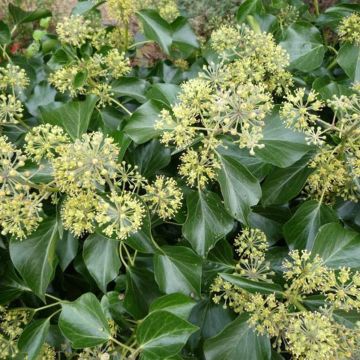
(83, 322)
(33, 337)
(166, 93)
(35, 257)
(283, 184)
(101, 259)
(305, 46)
(141, 290)
(151, 157)
(239, 187)
(5, 35)
(184, 39)
(177, 303)
(140, 126)
(156, 29)
(337, 246)
(83, 7)
(142, 240)
(20, 16)
(207, 221)
(43, 95)
(327, 88)
(334, 14)
(283, 147)
(253, 286)
(301, 229)
(178, 269)
(248, 7)
(74, 116)
(162, 334)
(238, 341)
(132, 87)
(349, 60)
(67, 249)
(11, 286)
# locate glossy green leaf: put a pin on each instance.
(177, 303)
(253, 286)
(150, 157)
(349, 60)
(327, 87)
(74, 116)
(83, 322)
(11, 286)
(207, 221)
(162, 334)
(184, 39)
(5, 36)
(178, 269)
(43, 95)
(283, 184)
(35, 257)
(156, 29)
(238, 341)
(240, 189)
(131, 87)
(140, 126)
(21, 17)
(337, 246)
(301, 230)
(283, 146)
(66, 249)
(166, 93)
(142, 240)
(305, 46)
(141, 291)
(33, 337)
(101, 258)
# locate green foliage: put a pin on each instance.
(171, 192)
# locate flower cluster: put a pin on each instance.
(90, 76)
(336, 164)
(13, 80)
(96, 191)
(258, 59)
(349, 29)
(225, 100)
(305, 334)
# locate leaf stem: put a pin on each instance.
(122, 106)
(53, 297)
(316, 7)
(47, 306)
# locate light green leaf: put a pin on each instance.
(349, 60)
(305, 46)
(337, 246)
(162, 334)
(74, 116)
(35, 257)
(140, 126)
(240, 189)
(101, 259)
(83, 322)
(83, 7)
(207, 221)
(238, 341)
(248, 7)
(301, 229)
(178, 269)
(33, 337)
(177, 303)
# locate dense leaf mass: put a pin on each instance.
(173, 193)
